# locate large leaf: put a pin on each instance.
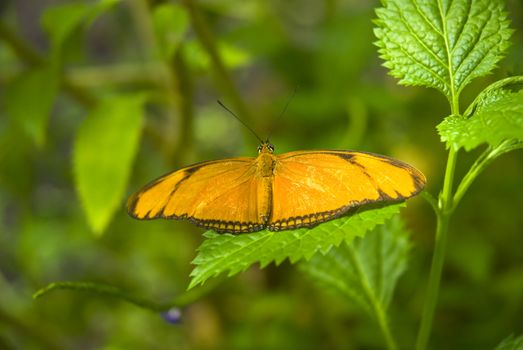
(498, 118)
(511, 343)
(221, 253)
(29, 100)
(366, 270)
(104, 150)
(441, 43)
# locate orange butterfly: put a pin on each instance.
(275, 192)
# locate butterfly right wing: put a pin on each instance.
(311, 187)
(219, 195)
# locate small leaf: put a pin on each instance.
(221, 253)
(104, 150)
(40, 87)
(511, 343)
(442, 44)
(366, 270)
(198, 58)
(497, 118)
(170, 23)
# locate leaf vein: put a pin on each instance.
(421, 42)
(426, 19)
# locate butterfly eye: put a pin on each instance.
(259, 148)
(270, 147)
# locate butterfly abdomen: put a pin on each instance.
(265, 173)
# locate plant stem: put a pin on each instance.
(34, 59)
(480, 164)
(114, 292)
(222, 77)
(384, 326)
(445, 206)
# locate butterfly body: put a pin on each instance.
(275, 192)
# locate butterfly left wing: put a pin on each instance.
(220, 195)
(317, 186)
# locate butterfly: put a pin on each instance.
(275, 192)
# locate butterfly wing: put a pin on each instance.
(219, 195)
(316, 186)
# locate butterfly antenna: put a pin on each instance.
(241, 121)
(283, 111)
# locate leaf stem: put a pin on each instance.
(481, 163)
(102, 289)
(377, 307)
(430, 199)
(117, 293)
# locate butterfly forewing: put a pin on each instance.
(313, 187)
(220, 195)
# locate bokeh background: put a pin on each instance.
(265, 49)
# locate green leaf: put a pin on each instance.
(442, 44)
(62, 20)
(104, 150)
(221, 253)
(170, 23)
(511, 343)
(40, 87)
(497, 118)
(366, 270)
(198, 58)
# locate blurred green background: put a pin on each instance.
(251, 55)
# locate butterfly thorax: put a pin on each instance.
(265, 160)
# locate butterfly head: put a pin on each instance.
(265, 147)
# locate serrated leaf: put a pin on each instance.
(105, 147)
(62, 20)
(440, 43)
(227, 253)
(366, 270)
(498, 118)
(40, 87)
(171, 21)
(511, 343)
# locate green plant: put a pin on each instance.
(439, 44)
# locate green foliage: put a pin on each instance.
(511, 343)
(62, 21)
(171, 22)
(498, 117)
(445, 45)
(199, 59)
(39, 86)
(366, 270)
(103, 154)
(221, 253)
(442, 44)
(183, 55)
